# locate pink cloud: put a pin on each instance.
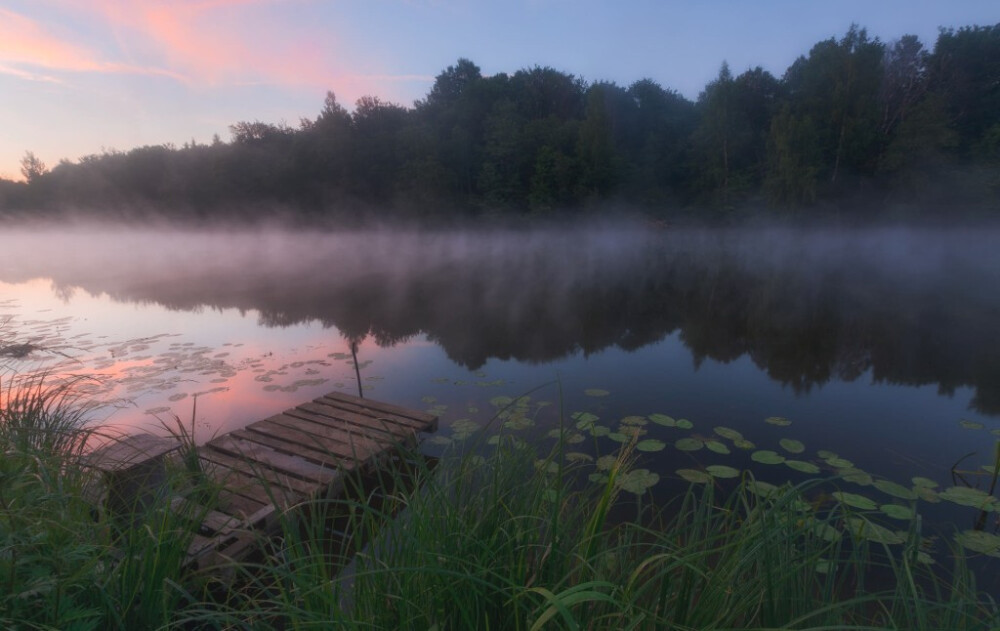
(236, 42)
(28, 46)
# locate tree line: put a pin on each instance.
(856, 125)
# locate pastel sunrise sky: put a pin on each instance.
(81, 76)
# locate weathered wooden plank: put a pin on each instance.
(378, 428)
(384, 417)
(211, 520)
(378, 436)
(267, 477)
(340, 442)
(248, 486)
(236, 504)
(284, 463)
(319, 456)
(387, 408)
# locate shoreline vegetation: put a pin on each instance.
(497, 534)
(856, 130)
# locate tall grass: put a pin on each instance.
(510, 541)
(495, 537)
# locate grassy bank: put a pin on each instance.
(495, 536)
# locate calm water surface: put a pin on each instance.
(880, 345)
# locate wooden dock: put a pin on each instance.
(271, 466)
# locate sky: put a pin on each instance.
(78, 77)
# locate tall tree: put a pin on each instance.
(32, 167)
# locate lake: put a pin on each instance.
(874, 352)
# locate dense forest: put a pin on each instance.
(857, 127)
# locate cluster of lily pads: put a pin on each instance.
(865, 512)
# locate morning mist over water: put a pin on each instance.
(910, 307)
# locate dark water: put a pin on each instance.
(880, 345)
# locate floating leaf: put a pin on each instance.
(634, 420)
(501, 401)
(726, 432)
(780, 421)
(964, 496)
(650, 444)
(717, 447)
(618, 437)
(596, 392)
(979, 541)
(826, 532)
(826, 454)
(599, 430)
(684, 424)
(694, 476)
(631, 430)
(970, 424)
(605, 463)
(638, 481)
(896, 490)
(722, 471)
(548, 466)
(840, 463)
(743, 443)
(663, 419)
(577, 456)
(865, 529)
(689, 444)
(519, 422)
(924, 482)
(804, 467)
(857, 476)
(897, 511)
(792, 446)
(766, 456)
(428, 399)
(439, 440)
(761, 489)
(927, 494)
(599, 478)
(574, 438)
(584, 420)
(855, 500)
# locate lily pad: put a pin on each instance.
(744, 444)
(866, 529)
(501, 401)
(619, 437)
(638, 481)
(926, 483)
(694, 476)
(964, 496)
(840, 463)
(826, 532)
(857, 476)
(927, 494)
(979, 541)
(897, 511)
(726, 432)
(650, 444)
(780, 421)
(854, 500)
(599, 478)
(896, 490)
(792, 446)
(605, 463)
(600, 430)
(577, 456)
(965, 424)
(717, 447)
(689, 444)
(760, 488)
(663, 419)
(596, 392)
(766, 456)
(722, 471)
(683, 423)
(584, 420)
(804, 467)
(826, 454)
(634, 420)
